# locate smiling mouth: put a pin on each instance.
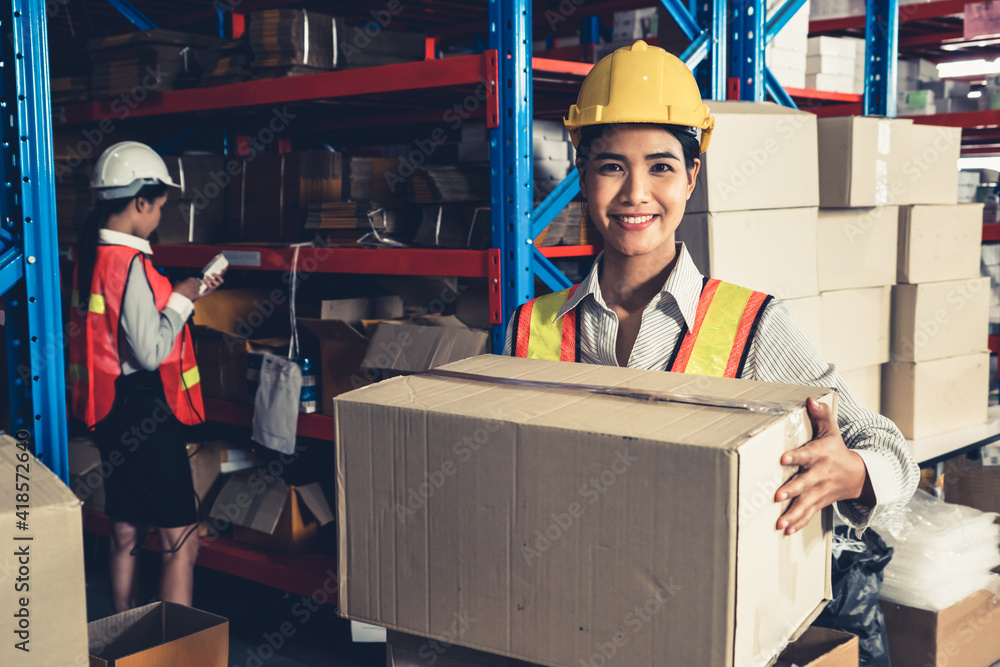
(633, 219)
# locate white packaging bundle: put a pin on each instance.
(943, 553)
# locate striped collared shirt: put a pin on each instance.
(780, 352)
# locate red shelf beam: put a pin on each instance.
(964, 119)
(463, 70)
(305, 574)
(994, 344)
(561, 66)
(810, 94)
(380, 261)
(991, 232)
(914, 12)
(571, 250)
(241, 414)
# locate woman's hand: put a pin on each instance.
(828, 472)
(191, 288)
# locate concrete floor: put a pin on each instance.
(255, 613)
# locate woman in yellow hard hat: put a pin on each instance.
(639, 127)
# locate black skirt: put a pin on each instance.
(148, 476)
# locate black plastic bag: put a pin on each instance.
(857, 581)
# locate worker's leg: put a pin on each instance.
(124, 566)
(177, 579)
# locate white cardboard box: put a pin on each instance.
(938, 320)
(866, 385)
(930, 169)
(856, 327)
(807, 313)
(763, 156)
(860, 158)
(932, 397)
(831, 83)
(768, 251)
(824, 64)
(939, 242)
(856, 247)
(833, 46)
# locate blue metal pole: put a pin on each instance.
(720, 31)
(747, 42)
(510, 156)
(781, 18)
(679, 11)
(555, 202)
(881, 35)
(128, 10)
(777, 91)
(38, 218)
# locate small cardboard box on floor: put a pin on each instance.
(562, 520)
(161, 633)
(44, 594)
(966, 634)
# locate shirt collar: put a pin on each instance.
(684, 284)
(111, 237)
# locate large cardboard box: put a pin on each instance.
(397, 347)
(807, 313)
(931, 397)
(769, 251)
(196, 214)
(541, 510)
(341, 350)
(866, 385)
(856, 247)
(266, 511)
(937, 320)
(856, 327)
(966, 633)
(821, 647)
(859, 158)
(939, 243)
(973, 484)
(44, 593)
(161, 633)
(930, 168)
(763, 156)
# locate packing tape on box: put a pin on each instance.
(883, 146)
(333, 32)
(639, 394)
(305, 32)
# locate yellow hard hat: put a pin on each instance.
(640, 84)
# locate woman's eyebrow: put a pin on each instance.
(666, 155)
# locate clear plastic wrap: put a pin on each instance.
(943, 554)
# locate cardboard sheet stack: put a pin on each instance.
(836, 64)
(486, 537)
(786, 54)
(69, 89)
(139, 63)
(288, 42)
(196, 213)
(939, 593)
(228, 63)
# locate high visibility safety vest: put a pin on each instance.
(716, 345)
(94, 362)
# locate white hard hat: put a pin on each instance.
(123, 170)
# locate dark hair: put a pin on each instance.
(97, 217)
(687, 136)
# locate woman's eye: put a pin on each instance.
(610, 166)
(662, 166)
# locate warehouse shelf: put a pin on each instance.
(934, 449)
(571, 250)
(241, 414)
(378, 261)
(304, 574)
(991, 231)
(822, 95)
(994, 344)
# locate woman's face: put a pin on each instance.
(148, 218)
(636, 188)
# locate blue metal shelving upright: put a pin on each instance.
(29, 259)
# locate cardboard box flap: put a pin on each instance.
(126, 633)
(331, 329)
(149, 635)
(46, 489)
(262, 510)
(410, 348)
(836, 648)
(314, 498)
(244, 312)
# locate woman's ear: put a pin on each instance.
(692, 176)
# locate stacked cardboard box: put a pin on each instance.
(197, 213)
(751, 219)
(785, 56)
(833, 64)
(921, 91)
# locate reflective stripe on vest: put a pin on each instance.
(716, 345)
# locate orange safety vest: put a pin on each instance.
(94, 363)
(717, 345)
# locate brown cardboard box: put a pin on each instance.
(769, 251)
(856, 327)
(763, 156)
(939, 243)
(85, 473)
(196, 214)
(269, 513)
(342, 348)
(821, 647)
(161, 633)
(540, 511)
(973, 484)
(931, 397)
(856, 247)
(404, 650)
(938, 320)
(410, 348)
(860, 158)
(866, 384)
(930, 168)
(966, 633)
(44, 602)
(807, 313)
(388, 307)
